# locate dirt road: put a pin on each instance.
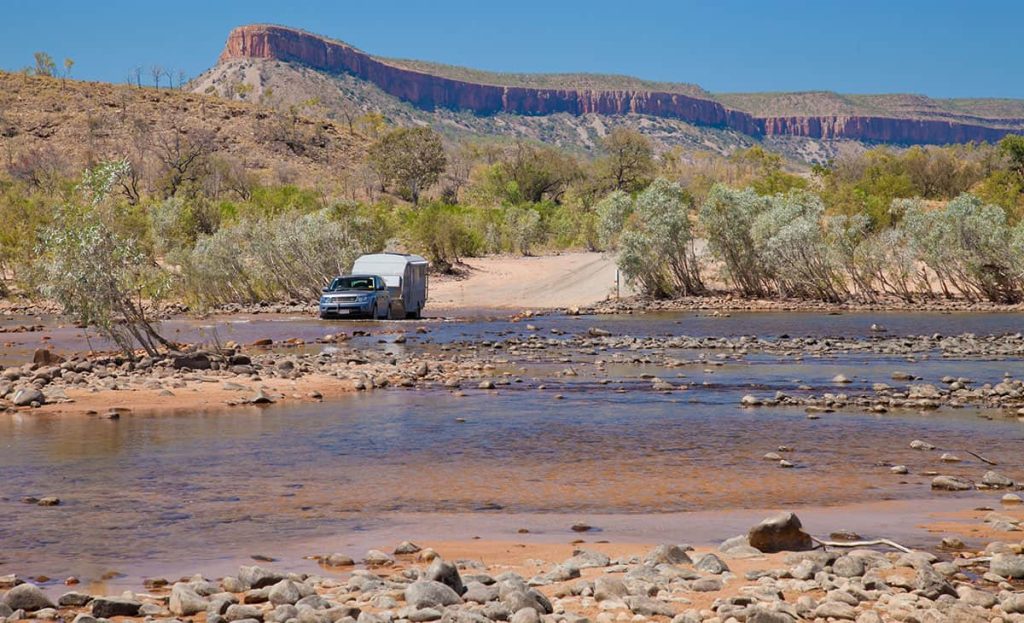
(551, 281)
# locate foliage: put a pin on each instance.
(97, 276)
(524, 228)
(284, 257)
(967, 245)
(628, 163)
(444, 233)
(789, 239)
(413, 158)
(527, 173)
(727, 218)
(45, 65)
(656, 248)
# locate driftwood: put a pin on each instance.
(875, 542)
(981, 458)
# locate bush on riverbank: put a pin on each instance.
(784, 245)
(879, 222)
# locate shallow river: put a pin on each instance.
(159, 493)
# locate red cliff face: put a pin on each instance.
(430, 91)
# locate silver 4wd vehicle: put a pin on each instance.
(355, 295)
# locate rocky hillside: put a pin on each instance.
(341, 96)
(816, 116)
(52, 126)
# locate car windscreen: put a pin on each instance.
(352, 283)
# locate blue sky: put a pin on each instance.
(939, 48)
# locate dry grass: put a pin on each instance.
(73, 124)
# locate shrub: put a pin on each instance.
(727, 217)
(443, 232)
(97, 276)
(789, 239)
(656, 247)
(256, 260)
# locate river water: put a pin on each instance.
(194, 491)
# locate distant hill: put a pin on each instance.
(67, 125)
(803, 124)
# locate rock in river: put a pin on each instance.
(783, 532)
(951, 483)
(996, 480)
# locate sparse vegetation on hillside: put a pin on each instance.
(52, 128)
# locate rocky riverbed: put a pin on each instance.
(775, 573)
(776, 387)
(265, 372)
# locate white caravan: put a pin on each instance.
(406, 279)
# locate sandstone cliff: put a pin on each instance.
(429, 91)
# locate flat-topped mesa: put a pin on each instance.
(430, 91)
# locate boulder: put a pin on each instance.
(709, 563)
(377, 558)
(74, 599)
(185, 601)
(106, 607)
(836, 610)
(284, 592)
(1007, 566)
(258, 577)
(430, 594)
(780, 533)
(339, 560)
(996, 480)
(587, 559)
(525, 615)
(26, 396)
(406, 548)
(645, 606)
(45, 357)
(848, 566)
(27, 597)
(445, 573)
(667, 554)
(194, 361)
(606, 587)
(240, 612)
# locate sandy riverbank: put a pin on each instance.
(201, 395)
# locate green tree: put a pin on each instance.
(766, 167)
(528, 174)
(1012, 146)
(44, 64)
(628, 163)
(413, 158)
(98, 276)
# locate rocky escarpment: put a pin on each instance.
(430, 91)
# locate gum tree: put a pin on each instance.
(100, 277)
